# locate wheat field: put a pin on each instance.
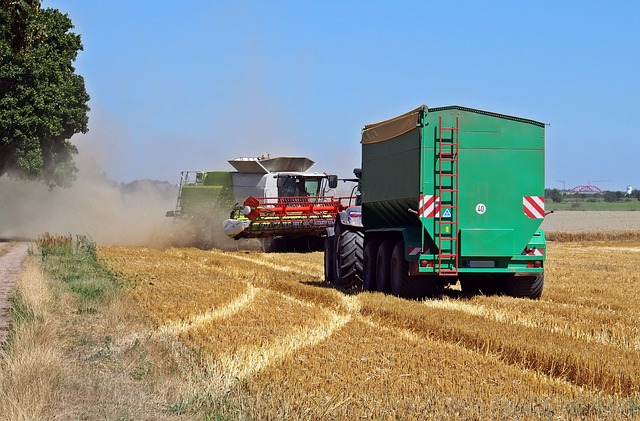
(273, 341)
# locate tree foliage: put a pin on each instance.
(42, 101)
(611, 196)
(553, 194)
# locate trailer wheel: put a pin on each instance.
(406, 286)
(383, 266)
(369, 264)
(329, 265)
(349, 258)
(525, 286)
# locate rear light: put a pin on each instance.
(426, 263)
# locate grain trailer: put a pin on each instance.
(446, 194)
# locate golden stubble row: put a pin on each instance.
(288, 345)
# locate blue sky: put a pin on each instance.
(188, 85)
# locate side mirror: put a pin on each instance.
(280, 181)
(333, 181)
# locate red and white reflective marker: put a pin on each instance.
(429, 206)
(533, 206)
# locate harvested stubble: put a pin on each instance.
(284, 345)
(594, 235)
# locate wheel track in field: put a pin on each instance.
(353, 305)
(507, 317)
(248, 360)
(251, 359)
(271, 265)
(228, 310)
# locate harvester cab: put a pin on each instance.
(298, 185)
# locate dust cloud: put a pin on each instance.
(109, 213)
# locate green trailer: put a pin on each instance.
(447, 194)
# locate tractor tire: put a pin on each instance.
(369, 264)
(348, 258)
(329, 261)
(383, 266)
(525, 286)
(405, 286)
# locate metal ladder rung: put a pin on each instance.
(447, 153)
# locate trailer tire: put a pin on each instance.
(383, 266)
(348, 258)
(405, 286)
(525, 286)
(369, 264)
(329, 262)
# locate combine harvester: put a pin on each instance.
(447, 194)
(276, 200)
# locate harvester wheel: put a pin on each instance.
(204, 236)
(383, 266)
(369, 264)
(268, 244)
(329, 262)
(406, 286)
(349, 258)
(525, 286)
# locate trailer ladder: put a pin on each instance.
(447, 188)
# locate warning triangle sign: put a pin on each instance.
(446, 213)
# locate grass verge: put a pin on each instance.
(30, 365)
(78, 348)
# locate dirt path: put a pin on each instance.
(11, 257)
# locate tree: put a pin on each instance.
(42, 101)
(554, 194)
(609, 196)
